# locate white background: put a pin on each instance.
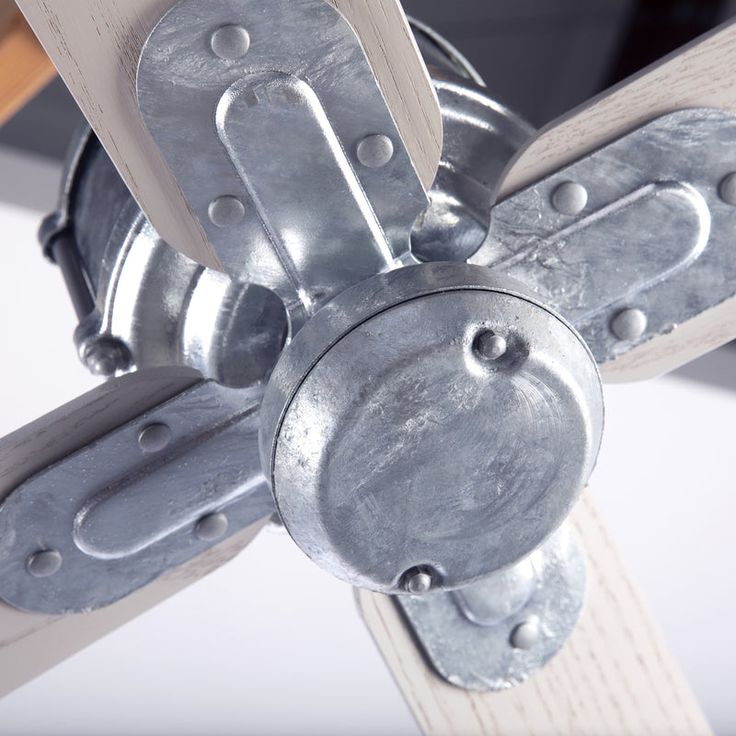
(271, 645)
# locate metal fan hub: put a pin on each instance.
(436, 419)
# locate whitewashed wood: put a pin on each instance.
(703, 74)
(30, 643)
(614, 676)
(95, 45)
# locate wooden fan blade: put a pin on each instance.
(702, 74)
(614, 675)
(96, 47)
(32, 643)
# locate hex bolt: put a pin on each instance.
(211, 527)
(226, 211)
(375, 151)
(230, 42)
(417, 581)
(570, 198)
(44, 563)
(629, 324)
(490, 346)
(105, 356)
(154, 437)
(525, 635)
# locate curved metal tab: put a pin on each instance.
(278, 129)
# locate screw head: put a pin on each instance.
(417, 581)
(44, 563)
(154, 437)
(490, 346)
(525, 635)
(105, 356)
(230, 42)
(375, 151)
(211, 527)
(226, 211)
(727, 189)
(570, 198)
(629, 324)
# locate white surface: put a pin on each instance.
(271, 645)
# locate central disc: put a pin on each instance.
(432, 421)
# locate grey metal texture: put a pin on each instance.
(496, 633)
(124, 509)
(271, 130)
(392, 443)
(654, 234)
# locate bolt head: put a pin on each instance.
(226, 211)
(629, 324)
(490, 346)
(230, 42)
(525, 635)
(375, 151)
(154, 437)
(44, 563)
(570, 198)
(211, 527)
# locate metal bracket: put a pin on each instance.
(322, 192)
(140, 500)
(496, 633)
(632, 240)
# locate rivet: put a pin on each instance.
(211, 527)
(105, 356)
(727, 189)
(570, 198)
(226, 211)
(525, 635)
(490, 346)
(417, 581)
(230, 42)
(154, 437)
(375, 151)
(44, 563)
(629, 324)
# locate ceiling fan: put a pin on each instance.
(315, 320)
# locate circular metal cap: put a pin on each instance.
(394, 443)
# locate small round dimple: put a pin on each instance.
(570, 198)
(230, 42)
(44, 563)
(211, 527)
(375, 151)
(629, 324)
(226, 211)
(490, 346)
(154, 437)
(727, 189)
(525, 635)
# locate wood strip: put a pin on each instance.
(614, 676)
(96, 44)
(24, 67)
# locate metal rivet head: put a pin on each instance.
(154, 437)
(417, 581)
(105, 356)
(570, 198)
(490, 346)
(375, 151)
(525, 635)
(727, 189)
(211, 527)
(629, 324)
(230, 42)
(44, 563)
(226, 211)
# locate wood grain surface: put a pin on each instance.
(96, 44)
(614, 676)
